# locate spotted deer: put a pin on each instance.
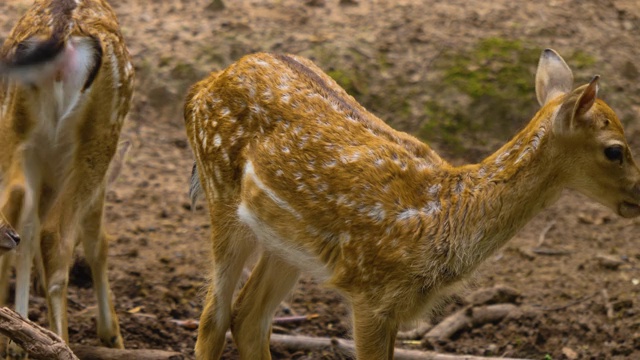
(68, 86)
(291, 164)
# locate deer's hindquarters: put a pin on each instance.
(69, 89)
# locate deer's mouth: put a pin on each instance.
(628, 209)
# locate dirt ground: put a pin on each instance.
(574, 303)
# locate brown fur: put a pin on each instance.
(62, 170)
(290, 163)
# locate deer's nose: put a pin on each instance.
(13, 235)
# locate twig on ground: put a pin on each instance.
(102, 353)
(294, 319)
(347, 347)
(544, 232)
(551, 252)
(415, 333)
(607, 304)
(572, 303)
(469, 317)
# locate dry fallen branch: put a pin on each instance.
(102, 353)
(469, 317)
(294, 319)
(346, 347)
(498, 294)
(39, 343)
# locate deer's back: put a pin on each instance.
(285, 141)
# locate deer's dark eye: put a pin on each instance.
(614, 153)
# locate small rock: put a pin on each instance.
(630, 71)
(315, 3)
(569, 353)
(498, 294)
(622, 304)
(492, 349)
(609, 262)
(216, 5)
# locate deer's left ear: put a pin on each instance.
(587, 98)
(576, 104)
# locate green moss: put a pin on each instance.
(343, 79)
(492, 94)
(495, 67)
(581, 60)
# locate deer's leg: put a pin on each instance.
(29, 230)
(231, 248)
(83, 188)
(374, 335)
(57, 250)
(270, 281)
(95, 243)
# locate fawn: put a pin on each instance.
(291, 164)
(69, 81)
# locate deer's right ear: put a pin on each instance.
(553, 77)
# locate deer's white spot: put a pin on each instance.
(225, 157)
(434, 190)
(217, 140)
(408, 214)
(377, 212)
(330, 163)
(432, 208)
(262, 63)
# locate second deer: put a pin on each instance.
(68, 86)
(291, 164)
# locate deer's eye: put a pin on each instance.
(614, 153)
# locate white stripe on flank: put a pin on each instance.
(250, 171)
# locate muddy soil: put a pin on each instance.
(159, 253)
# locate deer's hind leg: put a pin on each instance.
(232, 245)
(95, 242)
(270, 281)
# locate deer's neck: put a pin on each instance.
(492, 200)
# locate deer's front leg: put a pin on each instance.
(374, 335)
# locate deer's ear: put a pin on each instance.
(553, 77)
(572, 111)
(587, 98)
